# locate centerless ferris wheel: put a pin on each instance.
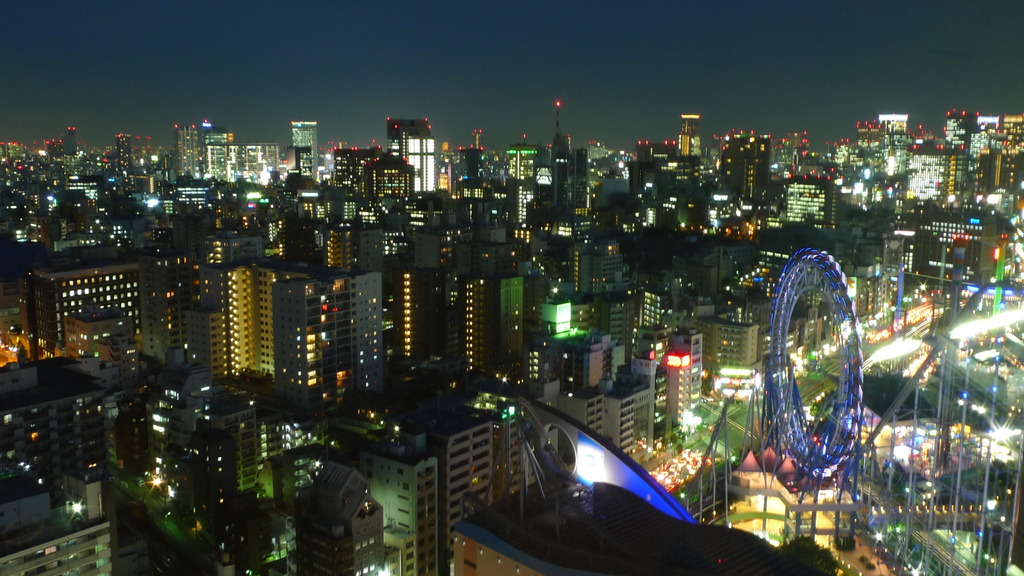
(823, 446)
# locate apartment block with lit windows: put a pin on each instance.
(52, 420)
(492, 322)
(169, 287)
(421, 304)
(232, 329)
(403, 478)
(327, 337)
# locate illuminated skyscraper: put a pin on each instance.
(1013, 127)
(188, 150)
(411, 140)
(689, 135)
(521, 165)
(811, 200)
(306, 149)
(895, 140)
(351, 166)
(961, 126)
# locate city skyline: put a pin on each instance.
(623, 75)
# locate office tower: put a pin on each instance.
(339, 527)
(421, 311)
(472, 163)
(327, 338)
(54, 293)
(961, 126)
(811, 200)
(895, 139)
(351, 168)
(597, 266)
(937, 228)
(938, 172)
(90, 187)
(745, 163)
(73, 537)
(71, 142)
(522, 183)
(54, 421)
(404, 479)
(304, 141)
(411, 140)
(230, 161)
(390, 178)
(689, 135)
(1013, 128)
(188, 151)
(355, 247)
(168, 288)
(123, 163)
(492, 323)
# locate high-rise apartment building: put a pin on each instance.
(339, 527)
(226, 247)
(354, 247)
(123, 162)
(327, 337)
(462, 441)
(492, 322)
(404, 479)
(596, 266)
(421, 305)
(168, 288)
(52, 420)
(73, 537)
(411, 140)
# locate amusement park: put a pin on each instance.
(898, 446)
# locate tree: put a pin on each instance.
(806, 550)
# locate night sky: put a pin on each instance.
(625, 70)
